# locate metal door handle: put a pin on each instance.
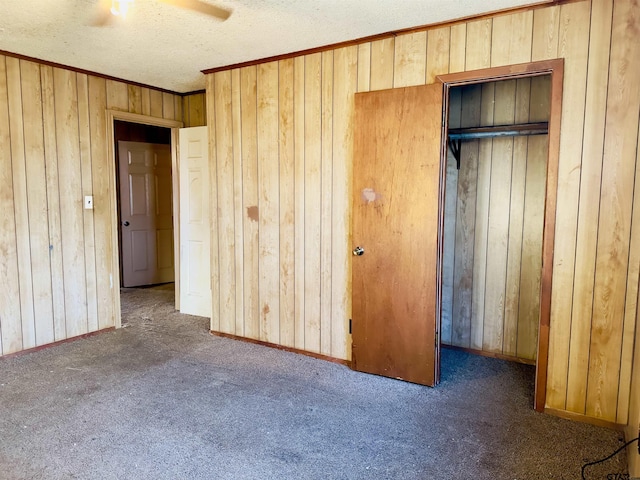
(125, 223)
(358, 251)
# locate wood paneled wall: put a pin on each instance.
(633, 424)
(55, 256)
(194, 108)
(494, 211)
(281, 154)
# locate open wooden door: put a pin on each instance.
(396, 220)
(195, 233)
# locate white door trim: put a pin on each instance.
(174, 125)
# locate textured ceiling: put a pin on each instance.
(167, 47)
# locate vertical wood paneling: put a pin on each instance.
(465, 222)
(299, 196)
(457, 46)
(364, 67)
(326, 206)
(57, 255)
(69, 170)
(287, 202)
(382, 64)
(145, 101)
(155, 103)
(269, 202)
(629, 389)
(481, 223)
(450, 210)
(498, 223)
(213, 196)
(177, 108)
(588, 205)
(250, 211)
(87, 189)
(16, 128)
(573, 46)
(614, 228)
(10, 314)
(117, 95)
(438, 53)
(226, 201)
(410, 59)
(101, 168)
(135, 98)
(596, 259)
(510, 211)
(53, 201)
(516, 220)
(194, 110)
(512, 36)
(531, 256)
(546, 25)
(312, 199)
(345, 82)
(37, 202)
(479, 44)
(238, 210)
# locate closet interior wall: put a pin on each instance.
(494, 213)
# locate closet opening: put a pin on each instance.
(497, 216)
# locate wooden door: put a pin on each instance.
(195, 268)
(146, 213)
(396, 219)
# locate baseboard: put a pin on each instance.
(578, 417)
(484, 353)
(59, 342)
(282, 347)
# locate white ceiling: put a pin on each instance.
(167, 47)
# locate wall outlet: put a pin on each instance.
(88, 202)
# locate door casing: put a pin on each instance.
(554, 68)
(174, 125)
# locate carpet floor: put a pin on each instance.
(161, 398)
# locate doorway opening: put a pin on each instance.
(404, 236)
(497, 208)
(150, 188)
(144, 192)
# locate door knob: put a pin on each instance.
(125, 223)
(358, 251)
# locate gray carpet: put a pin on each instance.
(163, 399)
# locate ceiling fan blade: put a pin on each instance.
(201, 7)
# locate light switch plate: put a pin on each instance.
(88, 202)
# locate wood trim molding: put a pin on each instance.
(87, 72)
(484, 353)
(54, 344)
(578, 417)
(319, 356)
(112, 116)
(555, 68)
(393, 33)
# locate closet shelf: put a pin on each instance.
(457, 135)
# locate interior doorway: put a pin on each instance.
(379, 120)
(512, 116)
(145, 227)
(133, 124)
(494, 217)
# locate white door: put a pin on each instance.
(146, 213)
(195, 277)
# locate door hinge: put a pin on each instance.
(436, 339)
(349, 326)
